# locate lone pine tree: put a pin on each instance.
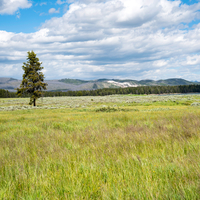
(33, 79)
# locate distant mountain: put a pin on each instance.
(9, 84)
(73, 81)
(174, 81)
(77, 84)
(195, 81)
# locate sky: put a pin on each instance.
(94, 39)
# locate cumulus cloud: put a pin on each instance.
(11, 6)
(113, 39)
(53, 10)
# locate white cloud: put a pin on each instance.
(193, 60)
(11, 6)
(160, 63)
(43, 3)
(18, 14)
(60, 2)
(53, 10)
(114, 38)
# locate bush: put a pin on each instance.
(195, 104)
(111, 109)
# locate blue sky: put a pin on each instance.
(30, 19)
(92, 39)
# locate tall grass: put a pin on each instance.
(83, 154)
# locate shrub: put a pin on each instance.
(195, 104)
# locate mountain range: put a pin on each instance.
(11, 84)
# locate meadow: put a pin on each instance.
(111, 147)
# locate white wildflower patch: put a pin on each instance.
(97, 101)
(195, 104)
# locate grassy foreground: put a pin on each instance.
(137, 148)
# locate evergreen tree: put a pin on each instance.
(33, 79)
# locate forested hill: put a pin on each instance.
(11, 84)
(171, 82)
(111, 91)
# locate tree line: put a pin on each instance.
(111, 91)
(129, 90)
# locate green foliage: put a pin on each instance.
(6, 94)
(33, 79)
(107, 109)
(130, 90)
(112, 109)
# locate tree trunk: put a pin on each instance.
(34, 102)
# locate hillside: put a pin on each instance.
(11, 84)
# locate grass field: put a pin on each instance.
(113, 147)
